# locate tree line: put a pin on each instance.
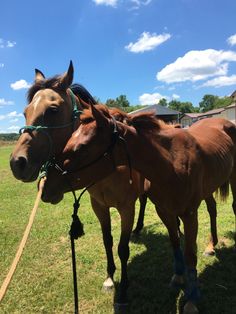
(8, 137)
(207, 103)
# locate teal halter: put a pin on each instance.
(42, 128)
(75, 114)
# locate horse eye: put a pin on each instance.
(87, 120)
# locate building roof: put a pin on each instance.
(231, 106)
(158, 110)
(233, 95)
(212, 112)
(193, 114)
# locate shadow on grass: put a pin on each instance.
(150, 273)
(218, 284)
(149, 276)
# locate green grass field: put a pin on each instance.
(43, 279)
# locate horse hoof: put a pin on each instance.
(108, 284)
(209, 253)
(120, 308)
(190, 308)
(177, 282)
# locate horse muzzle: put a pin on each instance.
(22, 169)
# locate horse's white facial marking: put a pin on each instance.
(36, 100)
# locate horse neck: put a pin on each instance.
(146, 152)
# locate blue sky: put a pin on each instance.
(145, 49)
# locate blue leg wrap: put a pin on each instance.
(179, 264)
(192, 292)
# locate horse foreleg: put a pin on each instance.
(190, 232)
(103, 214)
(211, 207)
(127, 220)
(171, 224)
(139, 225)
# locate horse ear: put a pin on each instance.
(39, 76)
(67, 77)
(99, 117)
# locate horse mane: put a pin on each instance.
(119, 115)
(83, 93)
(53, 82)
(43, 84)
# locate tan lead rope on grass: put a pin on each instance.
(23, 241)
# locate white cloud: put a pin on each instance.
(14, 128)
(4, 102)
(147, 42)
(175, 96)
(139, 3)
(1, 65)
(11, 115)
(6, 43)
(221, 81)
(197, 65)
(10, 44)
(232, 40)
(111, 3)
(14, 114)
(14, 120)
(150, 99)
(20, 85)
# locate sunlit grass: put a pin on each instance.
(43, 279)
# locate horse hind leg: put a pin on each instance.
(103, 214)
(211, 207)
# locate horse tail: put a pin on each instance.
(223, 191)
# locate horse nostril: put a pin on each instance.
(18, 164)
(21, 163)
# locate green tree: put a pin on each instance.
(111, 103)
(122, 101)
(207, 103)
(183, 107)
(163, 102)
(222, 102)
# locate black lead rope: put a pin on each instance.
(76, 231)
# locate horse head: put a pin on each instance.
(86, 157)
(50, 118)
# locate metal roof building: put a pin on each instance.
(164, 113)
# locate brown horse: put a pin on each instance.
(115, 190)
(183, 166)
